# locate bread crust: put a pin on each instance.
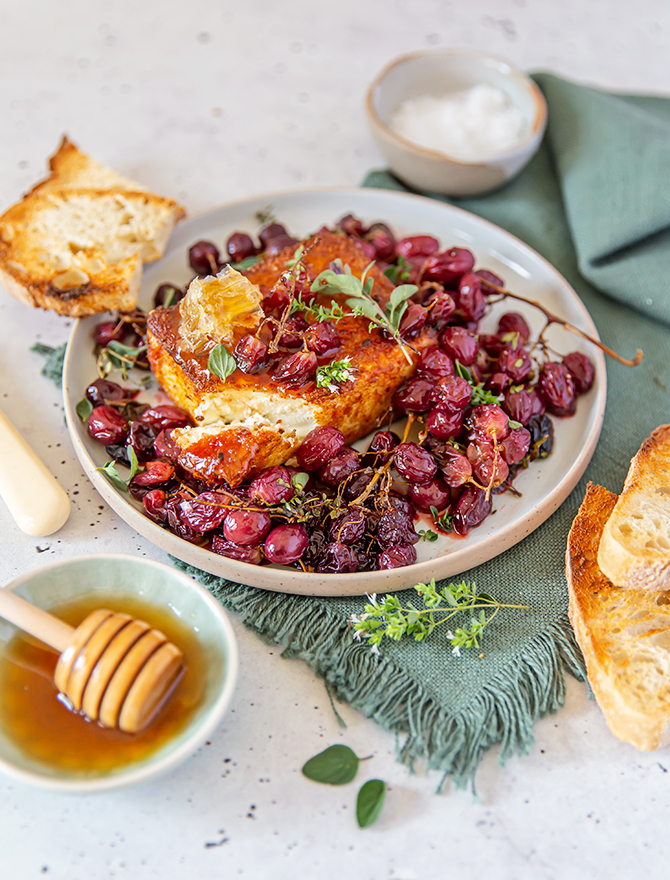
(634, 551)
(623, 634)
(76, 242)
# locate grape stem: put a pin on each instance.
(379, 473)
(554, 319)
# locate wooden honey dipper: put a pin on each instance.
(115, 670)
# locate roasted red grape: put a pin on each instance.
(250, 553)
(581, 370)
(106, 425)
(203, 258)
(272, 486)
(240, 246)
(434, 493)
(414, 463)
(244, 526)
(251, 355)
(286, 543)
(103, 391)
(206, 512)
(396, 557)
(165, 416)
(557, 389)
(434, 364)
(459, 344)
(340, 467)
(297, 369)
(319, 446)
(471, 510)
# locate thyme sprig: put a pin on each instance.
(479, 393)
(333, 374)
(387, 617)
(117, 356)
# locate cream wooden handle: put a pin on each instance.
(34, 620)
(35, 499)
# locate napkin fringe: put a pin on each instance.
(532, 685)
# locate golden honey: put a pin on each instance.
(34, 717)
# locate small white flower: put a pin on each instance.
(450, 635)
(456, 651)
(355, 618)
(372, 599)
(357, 635)
(364, 615)
(375, 649)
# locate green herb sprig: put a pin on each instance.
(117, 356)
(319, 312)
(479, 393)
(333, 374)
(110, 471)
(246, 263)
(444, 522)
(428, 535)
(387, 617)
(341, 280)
(398, 272)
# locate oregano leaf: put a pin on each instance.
(110, 471)
(369, 802)
(336, 765)
(134, 463)
(401, 293)
(84, 409)
(246, 263)
(221, 362)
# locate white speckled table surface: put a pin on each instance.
(208, 103)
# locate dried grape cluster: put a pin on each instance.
(481, 403)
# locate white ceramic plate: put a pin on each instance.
(544, 486)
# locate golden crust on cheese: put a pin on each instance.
(252, 412)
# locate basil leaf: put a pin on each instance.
(84, 409)
(370, 802)
(221, 362)
(337, 765)
(110, 471)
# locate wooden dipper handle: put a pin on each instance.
(115, 670)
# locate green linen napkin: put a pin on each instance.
(593, 203)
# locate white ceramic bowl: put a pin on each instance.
(156, 584)
(440, 73)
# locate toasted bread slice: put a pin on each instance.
(77, 241)
(624, 634)
(248, 422)
(634, 551)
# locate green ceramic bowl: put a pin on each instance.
(156, 584)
